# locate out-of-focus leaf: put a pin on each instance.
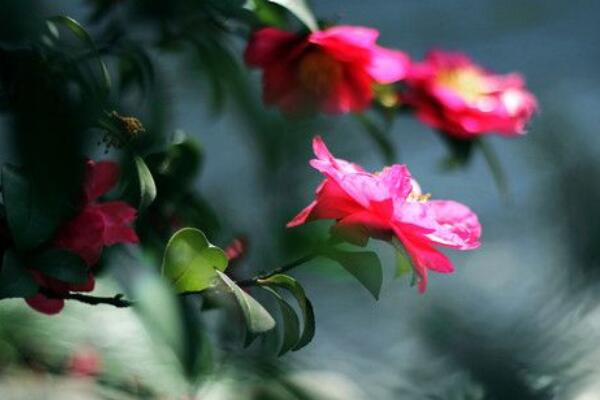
(147, 187)
(157, 306)
(258, 320)
(267, 13)
(32, 216)
(190, 262)
(86, 38)
(290, 284)
(301, 10)
(460, 150)
(15, 280)
(291, 324)
(363, 265)
(63, 265)
(403, 263)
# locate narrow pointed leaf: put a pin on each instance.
(301, 10)
(258, 320)
(146, 185)
(291, 324)
(291, 285)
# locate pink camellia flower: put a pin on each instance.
(331, 70)
(451, 93)
(96, 226)
(389, 204)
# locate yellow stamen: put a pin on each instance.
(468, 82)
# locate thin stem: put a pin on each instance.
(496, 169)
(284, 268)
(119, 302)
(116, 301)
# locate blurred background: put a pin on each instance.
(519, 319)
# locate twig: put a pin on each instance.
(280, 270)
(116, 301)
(119, 302)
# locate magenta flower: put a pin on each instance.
(331, 70)
(389, 204)
(451, 93)
(96, 226)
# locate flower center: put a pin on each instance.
(468, 82)
(418, 197)
(319, 72)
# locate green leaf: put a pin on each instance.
(85, 37)
(32, 215)
(363, 265)
(403, 264)
(301, 10)
(146, 185)
(291, 324)
(258, 320)
(291, 285)
(63, 265)
(15, 280)
(190, 262)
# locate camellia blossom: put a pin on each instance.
(389, 204)
(96, 225)
(451, 93)
(332, 70)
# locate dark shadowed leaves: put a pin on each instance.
(15, 280)
(63, 265)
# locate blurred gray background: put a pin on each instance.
(526, 302)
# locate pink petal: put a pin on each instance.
(355, 35)
(357, 228)
(100, 178)
(457, 226)
(388, 66)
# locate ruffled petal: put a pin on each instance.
(457, 226)
(117, 215)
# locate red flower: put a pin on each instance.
(331, 70)
(389, 204)
(96, 226)
(451, 93)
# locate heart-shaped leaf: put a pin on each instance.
(363, 265)
(291, 285)
(258, 320)
(15, 280)
(190, 262)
